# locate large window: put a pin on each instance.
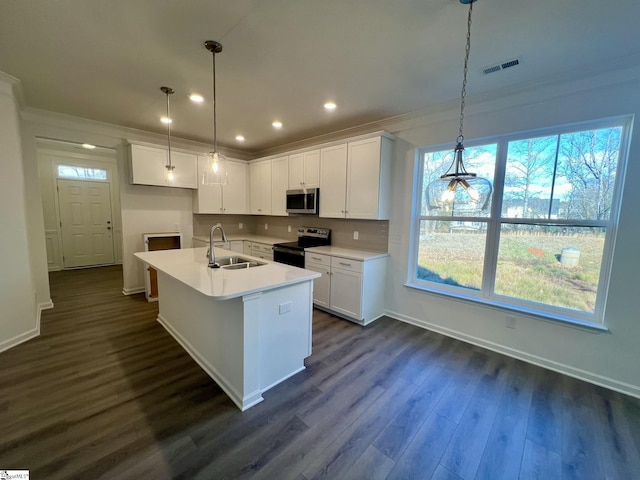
(544, 243)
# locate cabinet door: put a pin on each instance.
(185, 172)
(311, 164)
(296, 171)
(246, 247)
(279, 185)
(363, 179)
(208, 198)
(234, 193)
(236, 246)
(260, 188)
(322, 285)
(333, 179)
(346, 292)
(148, 165)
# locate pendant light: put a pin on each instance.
(458, 191)
(169, 176)
(215, 172)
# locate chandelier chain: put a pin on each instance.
(463, 93)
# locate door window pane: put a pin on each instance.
(552, 265)
(69, 171)
(451, 253)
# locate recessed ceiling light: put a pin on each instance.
(330, 106)
(196, 98)
(88, 146)
(165, 120)
(240, 138)
(277, 124)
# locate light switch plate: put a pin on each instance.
(355, 235)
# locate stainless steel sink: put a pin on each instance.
(237, 263)
(222, 261)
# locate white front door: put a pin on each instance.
(87, 229)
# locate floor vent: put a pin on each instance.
(500, 66)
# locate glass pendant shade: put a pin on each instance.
(215, 171)
(459, 192)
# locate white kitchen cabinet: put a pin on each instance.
(246, 247)
(236, 246)
(304, 170)
(148, 167)
(352, 289)
(262, 250)
(279, 185)
(321, 286)
(355, 179)
(222, 199)
(260, 188)
(333, 181)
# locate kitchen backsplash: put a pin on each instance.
(373, 235)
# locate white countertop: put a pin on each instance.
(189, 266)
(250, 237)
(351, 254)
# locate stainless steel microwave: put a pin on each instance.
(303, 201)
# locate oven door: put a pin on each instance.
(289, 256)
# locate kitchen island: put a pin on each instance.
(248, 328)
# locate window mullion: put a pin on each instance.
(493, 225)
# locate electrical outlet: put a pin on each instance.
(510, 322)
(240, 226)
(284, 308)
(355, 235)
(266, 226)
(289, 228)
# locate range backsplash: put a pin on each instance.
(373, 235)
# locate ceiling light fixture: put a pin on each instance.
(277, 124)
(240, 138)
(88, 146)
(330, 106)
(196, 98)
(443, 194)
(169, 177)
(215, 172)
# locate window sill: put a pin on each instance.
(562, 320)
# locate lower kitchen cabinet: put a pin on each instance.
(153, 242)
(262, 250)
(352, 289)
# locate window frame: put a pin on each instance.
(486, 294)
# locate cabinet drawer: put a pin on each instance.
(317, 258)
(262, 247)
(346, 264)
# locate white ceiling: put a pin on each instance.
(282, 59)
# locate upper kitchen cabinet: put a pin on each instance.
(260, 188)
(279, 185)
(304, 170)
(355, 179)
(223, 199)
(148, 167)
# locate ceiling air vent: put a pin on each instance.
(500, 66)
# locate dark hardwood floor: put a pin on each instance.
(105, 392)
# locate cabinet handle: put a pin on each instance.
(345, 264)
(316, 258)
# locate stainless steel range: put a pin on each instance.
(292, 253)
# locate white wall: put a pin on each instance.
(609, 358)
(18, 305)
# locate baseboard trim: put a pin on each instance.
(243, 403)
(611, 384)
(132, 291)
(18, 339)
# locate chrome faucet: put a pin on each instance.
(211, 254)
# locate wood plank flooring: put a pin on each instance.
(105, 392)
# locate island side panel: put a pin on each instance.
(211, 331)
(286, 316)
